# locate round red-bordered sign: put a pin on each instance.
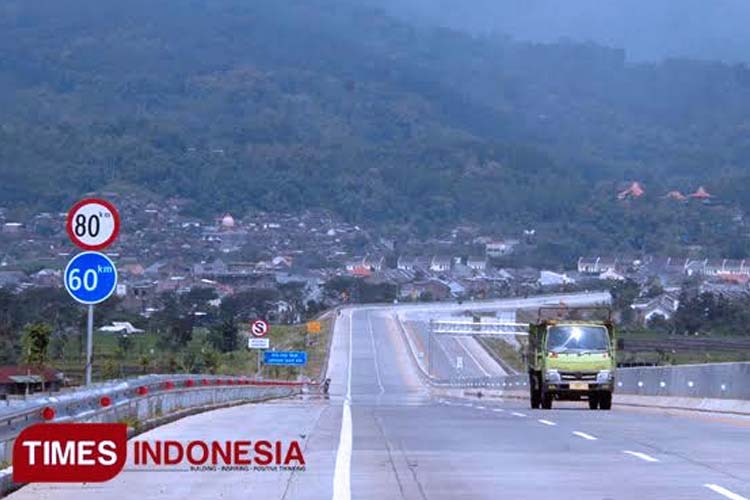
(259, 328)
(93, 224)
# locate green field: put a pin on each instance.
(140, 354)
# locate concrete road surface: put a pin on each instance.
(382, 435)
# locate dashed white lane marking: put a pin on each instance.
(498, 410)
(342, 489)
(546, 422)
(584, 435)
(468, 405)
(375, 355)
(518, 414)
(642, 456)
(481, 408)
(724, 492)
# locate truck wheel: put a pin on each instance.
(605, 401)
(593, 402)
(536, 399)
(547, 401)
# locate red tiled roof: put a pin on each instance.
(6, 372)
(701, 193)
(361, 271)
(635, 190)
(675, 195)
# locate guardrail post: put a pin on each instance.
(429, 348)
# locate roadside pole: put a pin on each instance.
(258, 340)
(90, 277)
(89, 343)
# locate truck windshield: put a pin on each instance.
(577, 338)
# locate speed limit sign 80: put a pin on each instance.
(93, 224)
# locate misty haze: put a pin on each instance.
(648, 30)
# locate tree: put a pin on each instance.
(111, 369)
(35, 341)
(623, 295)
(659, 324)
(211, 360)
(124, 344)
(144, 361)
(224, 337)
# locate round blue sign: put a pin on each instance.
(90, 277)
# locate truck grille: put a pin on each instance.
(577, 376)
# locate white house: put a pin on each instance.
(500, 248)
(406, 263)
(664, 305)
(477, 263)
(550, 278)
(611, 274)
(121, 327)
(440, 264)
(596, 265)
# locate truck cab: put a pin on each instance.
(571, 360)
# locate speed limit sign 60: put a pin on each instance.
(259, 328)
(93, 224)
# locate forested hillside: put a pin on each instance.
(324, 103)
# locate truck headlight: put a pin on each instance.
(604, 377)
(552, 376)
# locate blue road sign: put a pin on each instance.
(285, 358)
(90, 277)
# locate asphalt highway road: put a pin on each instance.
(383, 435)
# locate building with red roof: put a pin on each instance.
(702, 194)
(16, 379)
(634, 191)
(676, 195)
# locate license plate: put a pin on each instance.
(579, 386)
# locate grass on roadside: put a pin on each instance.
(144, 356)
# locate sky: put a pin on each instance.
(649, 30)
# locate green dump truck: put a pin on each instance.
(571, 359)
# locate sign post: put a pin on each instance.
(91, 277)
(89, 342)
(258, 330)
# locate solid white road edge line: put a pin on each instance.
(460, 341)
(725, 492)
(585, 436)
(342, 474)
(546, 422)
(642, 456)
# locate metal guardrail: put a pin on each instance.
(139, 400)
(478, 329)
(723, 381)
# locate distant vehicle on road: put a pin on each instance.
(571, 359)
